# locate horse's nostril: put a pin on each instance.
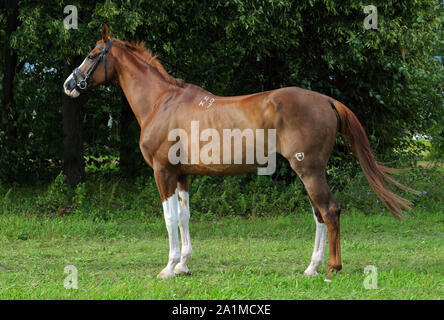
(70, 84)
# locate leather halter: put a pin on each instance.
(83, 84)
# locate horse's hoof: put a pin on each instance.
(165, 275)
(181, 270)
(310, 273)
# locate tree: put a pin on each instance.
(8, 110)
(388, 76)
(73, 162)
(128, 140)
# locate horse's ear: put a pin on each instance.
(105, 35)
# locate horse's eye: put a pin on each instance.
(91, 57)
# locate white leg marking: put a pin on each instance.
(171, 221)
(318, 252)
(184, 218)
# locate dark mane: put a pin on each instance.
(146, 55)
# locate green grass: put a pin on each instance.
(234, 258)
(252, 239)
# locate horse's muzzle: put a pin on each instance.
(70, 87)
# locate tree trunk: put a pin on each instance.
(9, 66)
(73, 162)
(128, 144)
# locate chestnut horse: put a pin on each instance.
(306, 125)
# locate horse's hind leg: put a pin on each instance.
(317, 257)
(322, 200)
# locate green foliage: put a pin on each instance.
(388, 77)
(80, 194)
(245, 196)
(55, 199)
(101, 164)
(106, 196)
(428, 181)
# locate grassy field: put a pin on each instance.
(252, 239)
(237, 258)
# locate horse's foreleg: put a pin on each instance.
(317, 257)
(167, 183)
(184, 217)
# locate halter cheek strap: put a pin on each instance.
(83, 84)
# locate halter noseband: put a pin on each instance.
(83, 84)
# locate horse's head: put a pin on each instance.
(96, 69)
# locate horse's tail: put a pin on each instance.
(376, 173)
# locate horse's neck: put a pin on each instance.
(142, 84)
